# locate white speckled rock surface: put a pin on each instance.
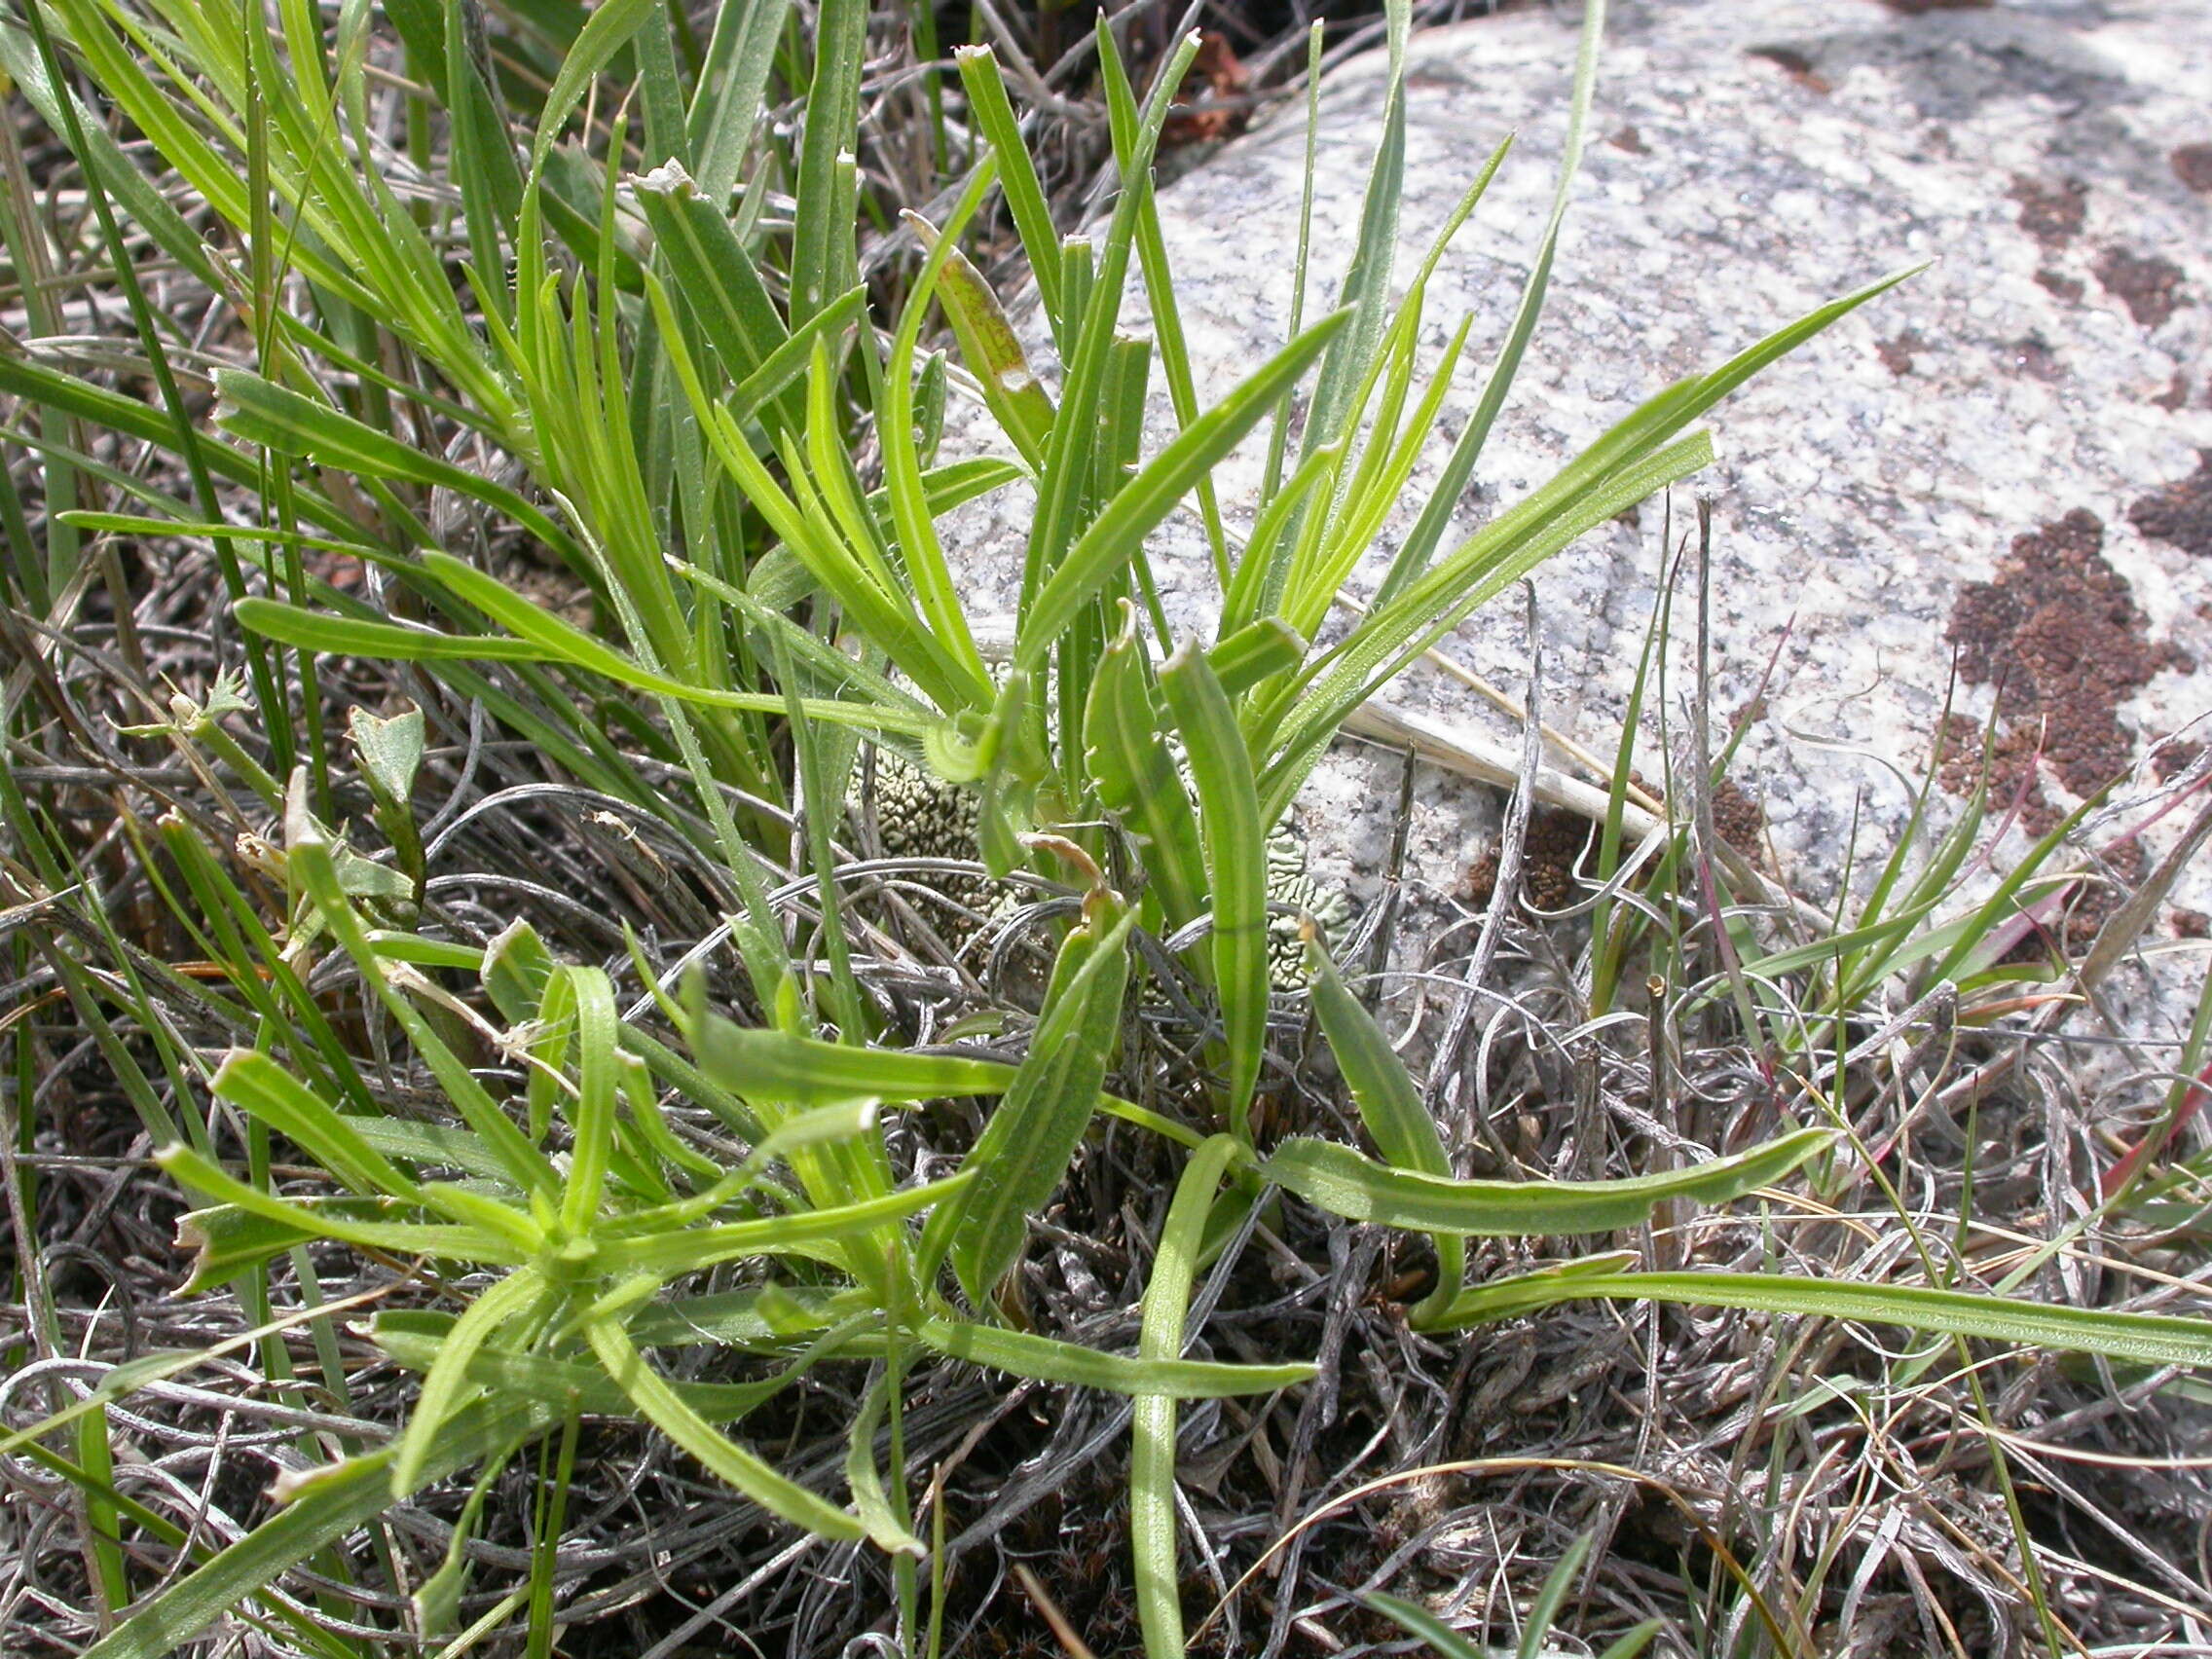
(1747, 161)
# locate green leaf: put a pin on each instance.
(550, 639)
(1152, 1422)
(991, 350)
(1544, 1612)
(516, 970)
(257, 1084)
(885, 1527)
(1234, 838)
(822, 240)
(2155, 1338)
(927, 575)
(1022, 1155)
(1022, 1353)
(188, 1169)
(518, 1300)
(787, 1069)
(261, 412)
(309, 858)
(714, 275)
(414, 1340)
(1623, 466)
(592, 1108)
(227, 1239)
(1387, 641)
(802, 1233)
(765, 1317)
(1135, 776)
(389, 749)
(659, 1404)
(432, 1145)
(1347, 1183)
(1063, 482)
(1253, 653)
(993, 115)
(607, 32)
(1396, 1117)
(1118, 533)
(1413, 554)
(1420, 1622)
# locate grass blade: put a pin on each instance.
(1152, 1424)
(659, 1404)
(2155, 1339)
(1396, 1117)
(1234, 839)
(1022, 1353)
(1022, 1155)
(1347, 1183)
(792, 1070)
(1114, 536)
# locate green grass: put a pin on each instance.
(467, 392)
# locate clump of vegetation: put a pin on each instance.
(450, 624)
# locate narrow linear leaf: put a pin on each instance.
(1152, 1422)
(788, 1069)
(2152, 1337)
(1022, 1353)
(1115, 534)
(658, 1402)
(991, 351)
(804, 1233)
(606, 32)
(188, 1169)
(1348, 1183)
(516, 1300)
(1234, 838)
(1396, 1117)
(257, 1084)
(335, 1500)
(1134, 773)
(1022, 1155)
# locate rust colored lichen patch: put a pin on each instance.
(2174, 758)
(2176, 395)
(2192, 166)
(2060, 637)
(1896, 354)
(1914, 8)
(2002, 766)
(2146, 285)
(1549, 852)
(2051, 211)
(2191, 923)
(2182, 512)
(1630, 139)
(1739, 817)
(1795, 64)
(2068, 289)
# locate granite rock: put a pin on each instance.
(2002, 467)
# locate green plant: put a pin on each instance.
(641, 384)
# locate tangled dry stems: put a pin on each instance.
(1846, 1478)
